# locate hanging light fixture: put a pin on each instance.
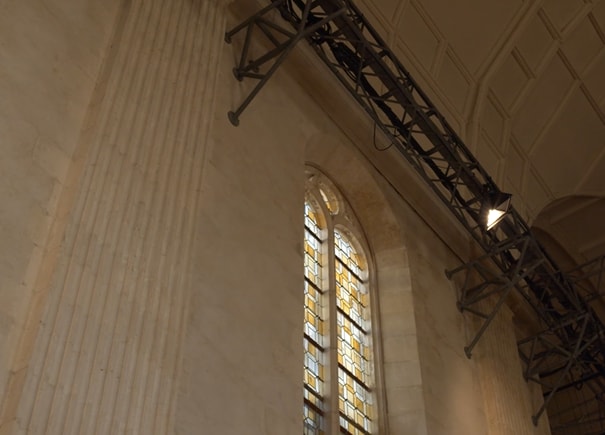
(494, 208)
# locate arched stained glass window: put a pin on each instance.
(354, 367)
(337, 325)
(313, 325)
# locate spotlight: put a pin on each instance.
(494, 207)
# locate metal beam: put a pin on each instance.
(549, 359)
(282, 39)
(595, 418)
(589, 278)
(483, 281)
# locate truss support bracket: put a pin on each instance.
(283, 40)
(491, 283)
(581, 335)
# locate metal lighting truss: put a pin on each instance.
(575, 418)
(589, 278)
(568, 350)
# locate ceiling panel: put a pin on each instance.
(454, 81)
(536, 194)
(385, 8)
(492, 121)
(535, 43)
(541, 103)
(419, 35)
(594, 78)
(598, 12)
(563, 12)
(594, 181)
(509, 81)
(472, 27)
(488, 156)
(583, 45)
(514, 167)
(573, 141)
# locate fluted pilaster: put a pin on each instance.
(107, 350)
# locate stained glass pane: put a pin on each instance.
(330, 200)
(354, 402)
(355, 405)
(346, 253)
(314, 377)
(352, 319)
(311, 221)
(313, 421)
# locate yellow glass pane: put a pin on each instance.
(365, 299)
(308, 316)
(359, 418)
(312, 305)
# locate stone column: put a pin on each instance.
(104, 343)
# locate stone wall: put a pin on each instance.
(50, 56)
(173, 302)
(101, 350)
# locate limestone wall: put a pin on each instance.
(173, 303)
(50, 55)
(431, 386)
(242, 367)
(101, 351)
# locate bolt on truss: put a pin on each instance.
(356, 54)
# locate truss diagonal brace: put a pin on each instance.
(589, 278)
(570, 356)
(492, 283)
(280, 52)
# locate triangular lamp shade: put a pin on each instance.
(495, 207)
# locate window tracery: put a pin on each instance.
(337, 324)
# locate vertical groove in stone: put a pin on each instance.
(137, 357)
(200, 106)
(76, 249)
(107, 353)
(166, 281)
(507, 396)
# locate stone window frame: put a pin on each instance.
(336, 214)
(400, 392)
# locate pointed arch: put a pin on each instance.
(339, 381)
(399, 404)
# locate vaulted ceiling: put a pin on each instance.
(523, 82)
